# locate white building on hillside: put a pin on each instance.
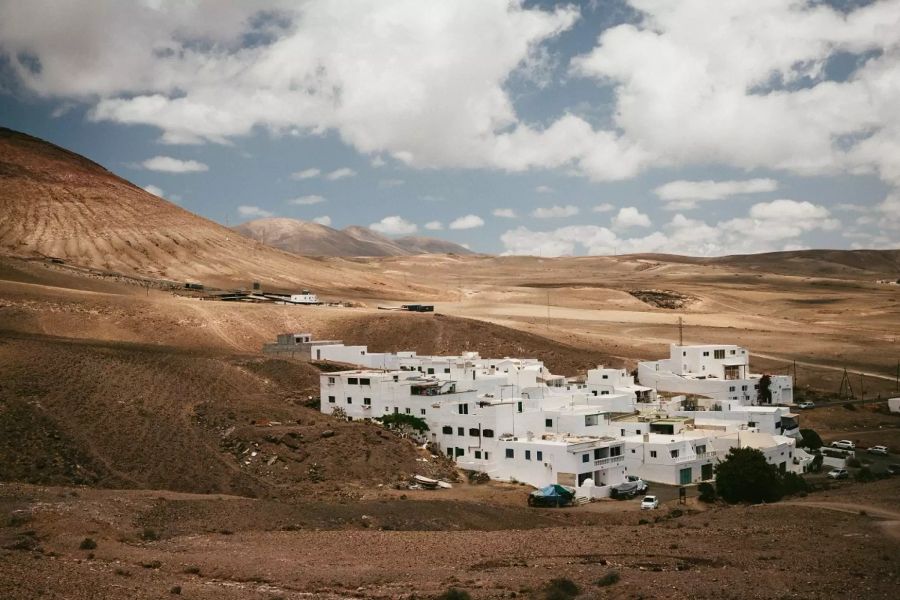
(719, 372)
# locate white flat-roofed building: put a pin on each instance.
(675, 459)
(719, 372)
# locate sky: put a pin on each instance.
(698, 127)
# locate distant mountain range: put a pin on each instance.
(313, 239)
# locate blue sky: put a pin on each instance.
(697, 127)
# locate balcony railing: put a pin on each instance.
(608, 460)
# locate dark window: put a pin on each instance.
(367, 401)
(539, 455)
(331, 399)
(719, 354)
(548, 422)
(653, 454)
(473, 431)
(706, 354)
(478, 454)
(673, 453)
(486, 456)
(349, 400)
(585, 457)
(519, 406)
(365, 381)
(460, 451)
(352, 380)
(615, 451)
(510, 453)
(487, 433)
(447, 370)
(450, 452)
(460, 431)
(431, 371)
(463, 409)
(606, 377)
(407, 411)
(528, 455)
(422, 411)
(447, 429)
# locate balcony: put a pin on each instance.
(608, 460)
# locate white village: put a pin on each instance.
(514, 420)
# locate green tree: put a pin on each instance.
(810, 439)
(403, 422)
(745, 476)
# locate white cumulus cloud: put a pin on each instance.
(604, 207)
(307, 200)
(555, 212)
(394, 225)
(323, 220)
(156, 191)
(306, 174)
(341, 173)
(684, 195)
(253, 211)
(504, 213)
(434, 225)
(167, 164)
(630, 216)
(467, 222)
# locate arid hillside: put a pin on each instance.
(54, 203)
(313, 239)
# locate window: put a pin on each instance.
(731, 388)
(447, 430)
(367, 401)
(422, 411)
(396, 378)
(331, 399)
(450, 452)
(365, 381)
(731, 352)
(460, 451)
(756, 387)
(606, 377)
(623, 432)
(528, 455)
(548, 422)
(744, 388)
(463, 409)
(407, 411)
(473, 431)
(673, 453)
(486, 455)
(539, 455)
(653, 454)
(719, 354)
(431, 371)
(352, 380)
(460, 431)
(331, 381)
(396, 409)
(487, 433)
(447, 370)
(349, 400)
(585, 457)
(706, 354)
(604, 393)
(632, 450)
(478, 454)
(684, 353)
(615, 451)
(519, 406)
(590, 419)
(510, 453)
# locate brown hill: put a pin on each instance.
(312, 239)
(387, 246)
(59, 204)
(417, 244)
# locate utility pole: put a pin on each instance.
(680, 331)
(862, 389)
(795, 374)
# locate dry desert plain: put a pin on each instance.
(126, 410)
(148, 448)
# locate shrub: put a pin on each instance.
(810, 439)
(745, 476)
(87, 544)
(403, 422)
(149, 535)
(816, 465)
(192, 570)
(791, 483)
(765, 392)
(153, 564)
(707, 492)
(454, 594)
(611, 578)
(865, 475)
(560, 589)
(850, 407)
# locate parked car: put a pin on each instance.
(838, 474)
(893, 469)
(844, 445)
(882, 450)
(641, 484)
(806, 405)
(624, 491)
(650, 503)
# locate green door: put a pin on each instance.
(706, 472)
(686, 476)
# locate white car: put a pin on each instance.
(882, 450)
(806, 405)
(838, 474)
(649, 503)
(844, 445)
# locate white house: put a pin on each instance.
(719, 372)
